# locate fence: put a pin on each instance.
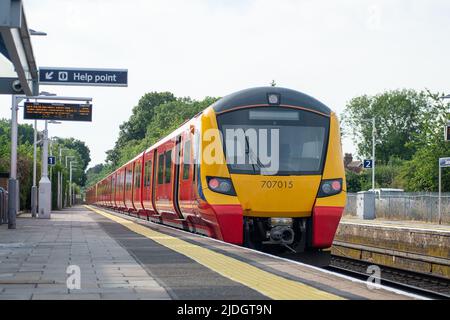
(406, 206)
(3, 206)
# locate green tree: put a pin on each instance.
(421, 172)
(399, 122)
(136, 127)
(77, 149)
(353, 181)
(163, 119)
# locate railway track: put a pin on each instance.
(426, 285)
(422, 284)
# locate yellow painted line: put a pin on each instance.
(266, 283)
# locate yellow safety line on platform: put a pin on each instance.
(268, 284)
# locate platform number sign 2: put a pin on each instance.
(368, 164)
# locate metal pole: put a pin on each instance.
(70, 185)
(34, 187)
(45, 187)
(440, 191)
(12, 182)
(373, 154)
(45, 151)
(59, 202)
(51, 154)
(66, 195)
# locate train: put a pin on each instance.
(261, 168)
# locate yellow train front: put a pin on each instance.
(270, 169)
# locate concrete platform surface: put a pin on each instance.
(119, 257)
(400, 224)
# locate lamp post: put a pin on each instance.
(70, 183)
(374, 133)
(52, 139)
(45, 184)
(59, 198)
(34, 189)
(66, 200)
(440, 170)
(13, 187)
(45, 189)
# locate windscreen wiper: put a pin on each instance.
(253, 155)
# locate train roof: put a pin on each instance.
(259, 96)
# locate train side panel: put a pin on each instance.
(328, 210)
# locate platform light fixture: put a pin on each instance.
(37, 33)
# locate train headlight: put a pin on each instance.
(221, 185)
(330, 188)
(273, 98)
(280, 222)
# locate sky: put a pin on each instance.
(331, 50)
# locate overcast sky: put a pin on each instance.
(332, 50)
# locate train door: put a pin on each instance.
(116, 190)
(113, 190)
(128, 186)
(108, 191)
(147, 181)
(186, 197)
(137, 184)
(103, 193)
(121, 197)
(164, 179)
(176, 177)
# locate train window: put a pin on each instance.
(147, 173)
(168, 171)
(137, 175)
(294, 141)
(129, 178)
(161, 169)
(186, 159)
(113, 184)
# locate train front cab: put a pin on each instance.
(301, 205)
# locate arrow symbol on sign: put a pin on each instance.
(49, 75)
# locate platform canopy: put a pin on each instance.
(15, 46)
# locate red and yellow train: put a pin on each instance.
(198, 180)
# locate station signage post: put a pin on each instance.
(443, 163)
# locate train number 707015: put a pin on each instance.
(277, 184)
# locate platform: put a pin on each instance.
(409, 245)
(121, 257)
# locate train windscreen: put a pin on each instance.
(274, 141)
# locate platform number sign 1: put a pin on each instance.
(51, 161)
(368, 164)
